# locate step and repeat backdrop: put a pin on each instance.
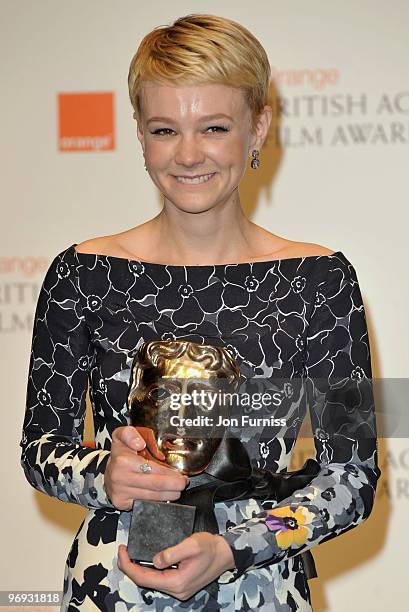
(333, 171)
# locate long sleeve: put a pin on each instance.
(53, 457)
(337, 375)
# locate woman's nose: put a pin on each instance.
(189, 153)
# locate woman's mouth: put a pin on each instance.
(195, 180)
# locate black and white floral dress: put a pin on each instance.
(300, 318)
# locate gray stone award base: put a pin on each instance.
(156, 525)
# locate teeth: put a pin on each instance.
(194, 181)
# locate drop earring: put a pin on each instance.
(255, 162)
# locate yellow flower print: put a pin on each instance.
(291, 526)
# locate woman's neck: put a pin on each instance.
(211, 236)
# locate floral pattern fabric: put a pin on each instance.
(301, 319)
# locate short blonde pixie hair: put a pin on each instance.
(199, 49)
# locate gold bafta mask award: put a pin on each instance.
(177, 392)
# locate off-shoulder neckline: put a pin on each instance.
(243, 263)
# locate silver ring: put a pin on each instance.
(145, 467)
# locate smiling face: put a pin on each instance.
(196, 141)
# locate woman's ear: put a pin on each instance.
(139, 131)
(262, 127)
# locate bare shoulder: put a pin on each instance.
(93, 246)
(116, 245)
(282, 248)
(311, 249)
(292, 248)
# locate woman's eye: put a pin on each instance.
(220, 128)
(160, 132)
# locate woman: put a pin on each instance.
(199, 270)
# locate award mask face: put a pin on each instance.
(163, 370)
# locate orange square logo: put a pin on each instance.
(86, 121)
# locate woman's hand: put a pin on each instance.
(202, 557)
(123, 480)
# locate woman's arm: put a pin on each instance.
(53, 457)
(339, 391)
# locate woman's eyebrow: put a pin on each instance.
(204, 118)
